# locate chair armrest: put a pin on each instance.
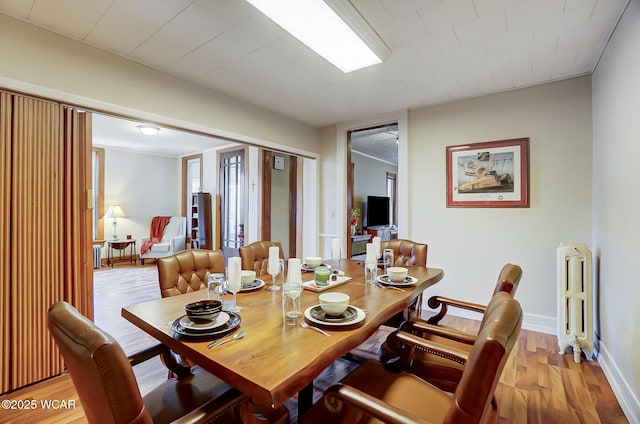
(178, 243)
(215, 409)
(179, 369)
(406, 343)
(418, 326)
(443, 302)
(143, 239)
(339, 394)
(146, 354)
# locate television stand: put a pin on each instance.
(359, 244)
(374, 231)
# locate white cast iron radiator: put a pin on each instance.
(97, 260)
(575, 310)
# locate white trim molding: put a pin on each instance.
(621, 389)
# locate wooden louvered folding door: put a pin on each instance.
(45, 242)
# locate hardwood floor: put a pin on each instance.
(537, 386)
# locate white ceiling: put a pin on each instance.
(379, 143)
(118, 133)
(442, 50)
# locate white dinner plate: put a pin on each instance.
(333, 322)
(220, 320)
(255, 285)
(408, 281)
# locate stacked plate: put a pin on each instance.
(351, 316)
(309, 268)
(254, 285)
(225, 323)
(408, 281)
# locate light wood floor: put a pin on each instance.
(537, 386)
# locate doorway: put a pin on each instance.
(280, 201)
(372, 169)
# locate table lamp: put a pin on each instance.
(115, 212)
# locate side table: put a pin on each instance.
(121, 245)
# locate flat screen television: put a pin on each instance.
(377, 211)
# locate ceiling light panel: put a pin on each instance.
(339, 39)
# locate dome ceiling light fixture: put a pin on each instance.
(148, 129)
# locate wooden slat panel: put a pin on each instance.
(78, 282)
(36, 239)
(5, 242)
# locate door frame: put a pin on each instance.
(267, 162)
(342, 153)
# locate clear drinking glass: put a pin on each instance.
(291, 302)
(336, 256)
(215, 283)
(234, 287)
(387, 257)
(370, 272)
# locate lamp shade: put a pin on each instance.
(115, 211)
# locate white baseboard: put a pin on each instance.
(626, 398)
(531, 322)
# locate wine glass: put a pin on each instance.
(234, 285)
(273, 268)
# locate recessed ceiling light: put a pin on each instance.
(334, 29)
(148, 129)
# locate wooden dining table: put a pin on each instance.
(274, 362)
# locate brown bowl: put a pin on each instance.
(203, 311)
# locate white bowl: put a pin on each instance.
(247, 277)
(397, 273)
(313, 261)
(334, 303)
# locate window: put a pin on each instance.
(232, 199)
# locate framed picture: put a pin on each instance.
(493, 174)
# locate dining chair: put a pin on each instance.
(106, 385)
(432, 367)
(406, 253)
(255, 256)
(372, 393)
(186, 271)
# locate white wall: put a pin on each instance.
(616, 135)
(143, 185)
(472, 244)
(330, 204)
(280, 208)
